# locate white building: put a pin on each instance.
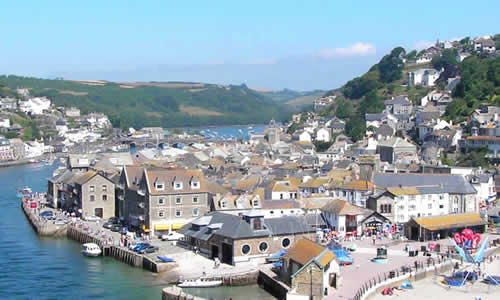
(33, 149)
(98, 120)
(343, 217)
(35, 106)
(72, 112)
(4, 123)
(323, 134)
(485, 187)
(425, 77)
(305, 137)
(6, 151)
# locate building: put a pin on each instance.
(4, 123)
(35, 106)
(485, 187)
(17, 146)
(343, 217)
(6, 152)
(461, 194)
(171, 198)
(310, 269)
(428, 228)
(95, 195)
(424, 77)
(492, 142)
(285, 189)
(235, 239)
(323, 134)
(72, 112)
(399, 105)
(397, 150)
(355, 192)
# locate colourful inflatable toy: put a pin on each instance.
(467, 239)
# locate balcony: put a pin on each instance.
(141, 192)
(121, 197)
(141, 217)
(120, 186)
(140, 204)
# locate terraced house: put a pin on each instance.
(171, 198)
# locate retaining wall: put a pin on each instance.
(176, 293)
(43, 228)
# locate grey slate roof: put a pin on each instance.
(374, 117)
(401, 100)
(453, 184)
(236, 228)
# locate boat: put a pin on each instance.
(23, 192)
(91, 249)
(165, 259)
(199, 283)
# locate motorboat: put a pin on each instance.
(91, 249)
(23, 192)
(199, 283)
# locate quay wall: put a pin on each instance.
(176, 293)
(43, 228)
(267, 281)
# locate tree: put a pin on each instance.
(322, 146)
(391, 66)
(355, 128)
(412, 56)
(344, 109)
(448, 57)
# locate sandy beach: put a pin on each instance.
(430, 289)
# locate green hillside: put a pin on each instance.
(480, 84)
(167, 104)
(294, 99)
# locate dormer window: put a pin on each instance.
(255, 203)
(177, 185)
(223, 204)
(159, 186)
(195, 184)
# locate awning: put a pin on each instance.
(450, 221)
(175, 226)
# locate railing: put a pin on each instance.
(141, 192)
(412, 270)
(140, 204)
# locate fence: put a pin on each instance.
(417, 271)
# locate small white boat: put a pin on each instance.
(199, 283)
(91, 249)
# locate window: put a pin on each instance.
(441, 206)
(223, 204)
(195, 212)
(92, 197)
(257, 224)
(92, 188)
(263, 246)
(195, 199)
(412, 207)
(178, 200)
(161, 201)
(429, 197)
(245, 249)
(413, 198)
(401, 207)
(291, 211)
(195, 185)
(255, 203)
(160, 186)
(429, 206)
(104, 188)
(285, 242)
(281, 195)
(178, 213)
(161, 214)
(104, 197)
(177, 185)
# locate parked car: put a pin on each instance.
(107, 225)
(149, 249)
(92, 218)
(114, 220)
(60, 222)
(172, 236)
(47, 214)
(116, 227)
(141, 246)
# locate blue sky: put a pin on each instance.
(266, 44)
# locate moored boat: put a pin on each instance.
(91, 249)
(21, 192)
(199, 283)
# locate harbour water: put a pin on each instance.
(231, 132)
(44, 268)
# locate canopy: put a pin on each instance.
(175, 226)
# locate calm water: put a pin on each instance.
(44, 268)
(231, 132)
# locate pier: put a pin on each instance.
(42, 228)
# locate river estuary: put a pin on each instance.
(44, 268)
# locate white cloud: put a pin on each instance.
(356, 49)
(419, 45)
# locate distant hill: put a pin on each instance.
(166, 104)
(294, 99)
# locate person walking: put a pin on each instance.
(374, 238)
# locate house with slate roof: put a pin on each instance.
(461, 195)
(343, 217)
(309, 269)
(236, 239)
